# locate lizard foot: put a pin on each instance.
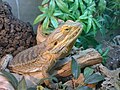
(5, 60)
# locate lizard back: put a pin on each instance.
(27, 55)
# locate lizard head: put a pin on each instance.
(63, 38)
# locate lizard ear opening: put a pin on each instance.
(55, 43)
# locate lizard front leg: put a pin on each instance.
(45, 71)
(45, 74)
(5, 60)
(48, 66)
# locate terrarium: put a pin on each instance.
(60, 45)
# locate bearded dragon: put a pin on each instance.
(42, 57)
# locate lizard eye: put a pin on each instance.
(46, 34)
(67, 29)
(55, 43)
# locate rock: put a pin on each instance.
(15, 35)
(11, 49)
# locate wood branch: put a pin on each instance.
(112, 79)
(85, 58)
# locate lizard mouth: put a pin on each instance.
(68, 41)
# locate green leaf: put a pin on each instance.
(84, 88)
(43, 9)
(91, 40)
(70, 0)
(94, 28)
(51, 6)
(54, 22)
(45, 23)
(88, 71)
(77, 44)
(89, 24)
(94, 78)
(91, 8)
(22, 85)
(106, 52)
(57, 13)
(98, 47)
(10, 78)
(82, 6)
(48, 78)
(103, 31)
(102, 5)
(62, 6)
(75, 6)
(84, 16)
(97, 23)
(72, 17)
(75, 67)
(77, 14)
(84, 26)
(31, 88)
(88, 40)
(39, 18)
(84, 42)
(64, 17)
(45, 1)
(88, 1)
(100, 51)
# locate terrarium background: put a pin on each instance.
(25, 10)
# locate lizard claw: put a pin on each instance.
(5, 60)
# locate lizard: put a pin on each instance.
(41, 35)
(42, 57)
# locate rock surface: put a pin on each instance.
(15, 35)
(113, 59)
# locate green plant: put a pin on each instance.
(82, 11)
(103, 53)
(21, 85)
(113, 12)
(89, 75)
(75, 68)
(102, 15)
(110, 16)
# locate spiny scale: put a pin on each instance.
(26, 56)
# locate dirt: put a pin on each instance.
(15, 35)
(113, 56)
